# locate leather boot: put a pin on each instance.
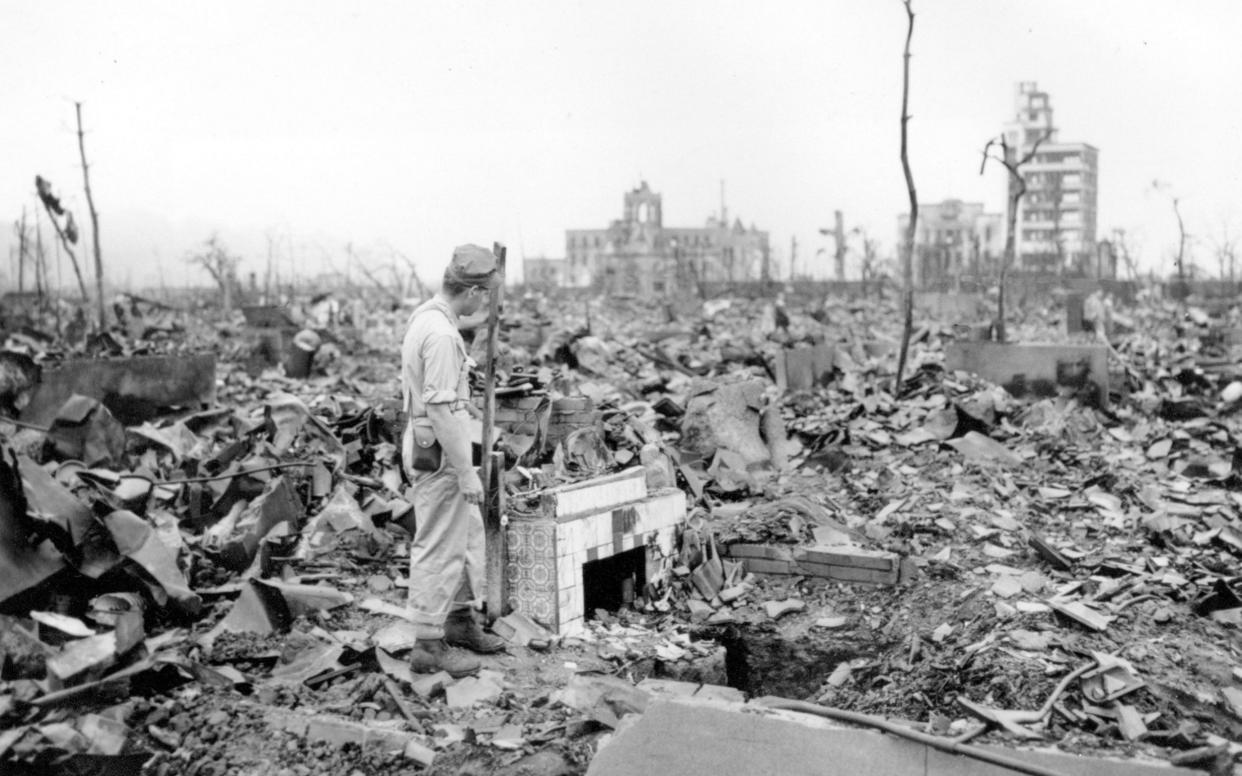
(431, 656)
(462, 630)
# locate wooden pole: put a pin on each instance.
(907, 266)
(41, 282)
(21, 254)
(493, 531)
(90, 204)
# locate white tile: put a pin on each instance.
(575, 601)
(566, 573)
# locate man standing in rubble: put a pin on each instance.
(447, 556)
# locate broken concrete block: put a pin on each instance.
(949, 307)
(597, 494)
(1007, 586)
(604, 698)
(82, 660)
(1042, 370)
(801, 369)
(778, 609)
(419, 753)
(731, 594)
(761, 551)
(725, 417)
(840, 675)
(517, 628)
(849, 563)
(133, 389)
(779, 567)
(324, 728)
(470, 691)
(845, 555)
(699, 610)
(428, 685)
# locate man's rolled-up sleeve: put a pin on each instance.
(441, 369)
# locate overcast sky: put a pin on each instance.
(419, 126)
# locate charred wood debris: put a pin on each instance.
(217, 589)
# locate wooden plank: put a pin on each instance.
(493, 483)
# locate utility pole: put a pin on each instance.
(793, 257)
(839, 234)
(21, 254)
(40, 263)
(90, 204)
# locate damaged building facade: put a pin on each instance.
(638, 255)
(954, 240)
(1056, 218)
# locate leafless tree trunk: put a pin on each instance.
(1226, 252)
(90, 204)
(383, 287)
(1181, 241)
(73, 258)
(1167, 189)
(222, 267)
(907, 266)
(418, 283)
(1017, 187)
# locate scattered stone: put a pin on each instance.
(778, 609)
(472, 690)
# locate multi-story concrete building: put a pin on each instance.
(953, 239)
(1056, 217)
(544, 272)
(637, 254)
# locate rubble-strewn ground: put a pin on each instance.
(1041, 539)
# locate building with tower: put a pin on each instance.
(638, 255)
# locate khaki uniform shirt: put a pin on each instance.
(435, 367)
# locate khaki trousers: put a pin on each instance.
(447, 556)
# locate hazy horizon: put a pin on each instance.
(417, 127)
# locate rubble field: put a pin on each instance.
(218, 588)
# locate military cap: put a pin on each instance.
(473, 265)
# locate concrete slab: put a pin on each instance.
(690, 737)
(949, 307)
(133, 389)
(801, 369)
(1036, 370)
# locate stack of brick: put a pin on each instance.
(838, 562)
(764, 558)
(525, 415)
(580, 523)
(568, 415)
(849, 563)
